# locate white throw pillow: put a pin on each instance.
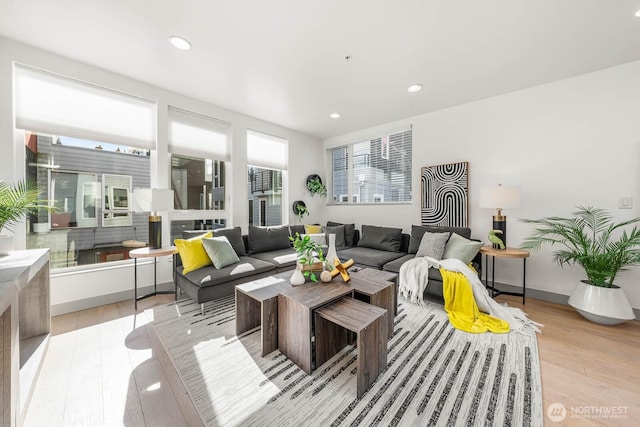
(318, 238)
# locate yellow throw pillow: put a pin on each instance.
(192, 253)
(312, 229)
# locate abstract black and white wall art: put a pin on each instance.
(445, 195)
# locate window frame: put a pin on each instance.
(351, 197)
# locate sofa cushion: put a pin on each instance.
(293, 229)
(312, 229)
(382, 238)
(265, 239)
(394, 265)
(209, 276)
(234, 235)
(192, 252)
(432, 245)
(338, 230)
(280, 258)
(460, 248)
(349, 232)
(417, 231)
(318, 238)
(220, 251)
(368, 256)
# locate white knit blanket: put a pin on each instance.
(414, 277)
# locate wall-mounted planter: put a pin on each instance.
(300, 209)
(315, 185)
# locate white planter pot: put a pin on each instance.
(606, 306)
(6, 244)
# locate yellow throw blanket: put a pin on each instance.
(462, 309)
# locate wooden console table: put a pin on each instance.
(25, 323)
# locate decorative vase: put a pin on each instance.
(331, 252)
(6, 244)
(297, 278)
(606, 306)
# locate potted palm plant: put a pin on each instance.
(16, 201)
(603, 248)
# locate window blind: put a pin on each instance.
(49, 103)
(377, 170)
(191, 134)
(266, 151)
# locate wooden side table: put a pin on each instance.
(152, 253)
(489, 251)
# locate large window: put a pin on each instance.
(89, 184)
(377, 170)
(87, 147)
(197, 184)
(199, 148)
(267, 165)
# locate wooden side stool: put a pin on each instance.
(368, 322)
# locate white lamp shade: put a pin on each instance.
(500, 197)
(152, 200)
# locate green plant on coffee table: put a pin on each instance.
(315, 186)
(18, 200)
(587, 240)
(309, 253)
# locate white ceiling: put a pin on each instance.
(283, 60)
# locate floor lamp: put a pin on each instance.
(153, 200)
(500, 197)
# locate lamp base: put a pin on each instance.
(500, 223)
(155, 231)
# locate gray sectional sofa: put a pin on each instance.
(267, 250)
(387, 249)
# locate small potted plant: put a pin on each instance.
(300, 209)
(16, 201)
(310, 258)
(315, 186)
(602, 248)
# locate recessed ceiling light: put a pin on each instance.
(334, 115)
(415, 88)
(638, 13)
(180, 42)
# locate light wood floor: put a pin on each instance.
(105, 367)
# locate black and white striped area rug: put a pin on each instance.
(436, 375)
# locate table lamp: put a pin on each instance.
(153, 200)
(500, 197)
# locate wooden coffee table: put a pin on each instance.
(376, 288)
(257, 304)
(295, 317)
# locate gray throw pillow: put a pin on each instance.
(338, 230)
(234, 235)
(460, 248)
(432, 245)
(382, 238)
(417, 231)
(265, 239)
(220, 251)
(349, 232)
(296, 228)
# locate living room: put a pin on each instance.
(550, 135)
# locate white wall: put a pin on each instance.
(568, 143)
(101, 281)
